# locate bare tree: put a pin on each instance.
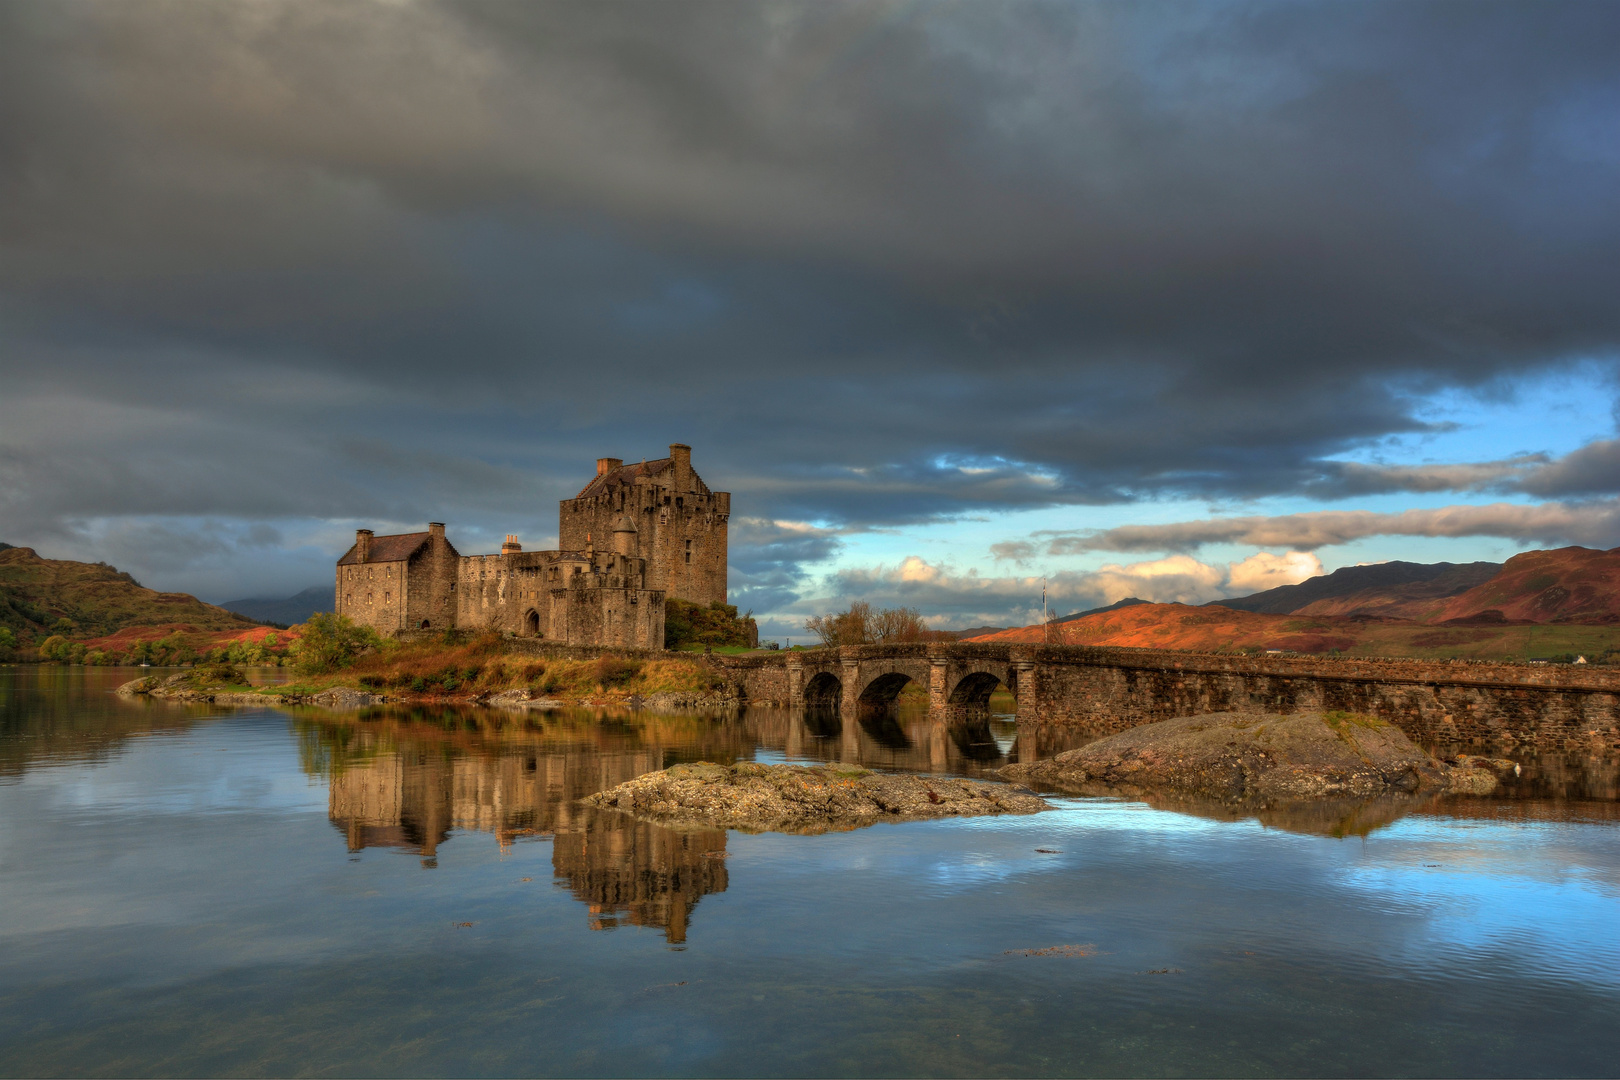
(860, 625)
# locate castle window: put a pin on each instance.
(689, 551)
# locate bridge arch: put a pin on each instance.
(823, 689)
(975, 688)
(883, 689)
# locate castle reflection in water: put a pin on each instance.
(410, 778)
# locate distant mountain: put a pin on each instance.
(1367, 589)
(1129, 601)
(977, 631)
(294, 609)
(98, 599)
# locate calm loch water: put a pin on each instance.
(189, 890)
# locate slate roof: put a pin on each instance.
(624, 474)
(387, 549)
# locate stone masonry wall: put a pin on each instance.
(371, 594)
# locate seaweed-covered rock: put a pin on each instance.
(1249, 757)
(202, 683)
(798, 798)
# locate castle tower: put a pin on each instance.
(677, 524)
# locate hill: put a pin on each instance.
(1373, 588)
(1538, 603)
(36, 593)
(1221, 629)
(1566, 585)
(1129, 601)
(292, 610)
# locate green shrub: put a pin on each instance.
(716, 624)
(331, 641)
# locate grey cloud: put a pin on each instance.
(879, 265)
(1594, 469)
(1594, 524)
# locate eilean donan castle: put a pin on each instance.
(633, 536)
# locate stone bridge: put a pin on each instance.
(1109, 689)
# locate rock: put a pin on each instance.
(343, 697)
(1248, 758)
(805, 799)
(204, 684)
(688, 702)
(1472, 775)
(142, 686)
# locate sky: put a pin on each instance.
(1173, 300)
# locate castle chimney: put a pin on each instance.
(605, 465)
(511, 547)
(362, 544)
(680, 455)
(436, 530)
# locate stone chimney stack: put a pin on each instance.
(362, 544)
(680, 455)
(436, 530)
(511, 547)
(605, 465)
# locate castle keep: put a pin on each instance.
(635, 535)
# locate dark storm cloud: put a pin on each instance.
(878, 263)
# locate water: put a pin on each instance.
(190, 890)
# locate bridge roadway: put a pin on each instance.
(1110, 689)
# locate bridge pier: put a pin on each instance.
(795, 679)
(1027, 690)
(850, 705)
(939, 686)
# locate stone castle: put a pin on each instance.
(634, 536)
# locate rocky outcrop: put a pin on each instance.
(1257, 759)
(805, 799)
(212, 685)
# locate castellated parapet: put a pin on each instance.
(634, 535)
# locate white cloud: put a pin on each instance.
(952, 599)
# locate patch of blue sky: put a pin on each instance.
(227, 773)
(1550, 917)
(1554, 413)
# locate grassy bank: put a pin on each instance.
(484, 665)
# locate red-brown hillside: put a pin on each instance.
(1571, 585)
(1179, 626)
(1563, 601)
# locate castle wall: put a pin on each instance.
(497, 592)
(372, 595)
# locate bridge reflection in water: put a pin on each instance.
(410, 779)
